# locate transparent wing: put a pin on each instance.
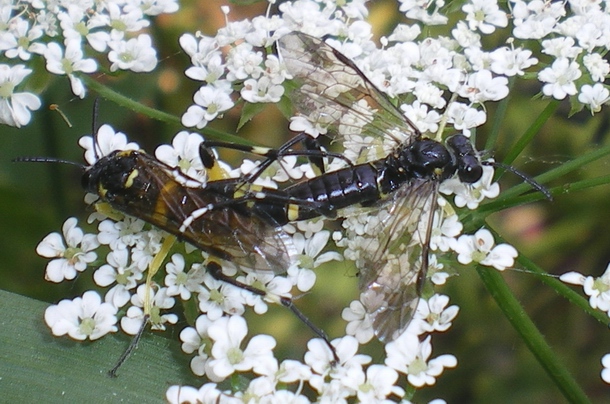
(252, 243)
(227, 232)
(392, 257)
(332, 92)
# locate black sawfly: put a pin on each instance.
(137, 184)
(402, 186)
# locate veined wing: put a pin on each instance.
(226, 232)
(392, 262)
(333, 92)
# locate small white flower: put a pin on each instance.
(184, 151)
(510, 62)
(261, 90)
(72, 62)
(273, 286)
(184, 154)
(480, 249)
(291, 371)
(428, 93)
(535, 20)
(424, 120)
(219, 297)
(427, 12)
(597, 66)
(436, 314)
(360, 323)
(208, 393)
(210, 103)
(227, 357)
(197, 340)
(211, 70)
(481, 87)
(562, 47)
(594, 97)
(71, 259)
(15, 107)
(75, 26)
(606, 371)
(243, 62)
(309, 248)
(122, 20)
(183, 283)
(484, 15)
(18, 39)
(301, 123)
(442, 233)
(321, 360)
(156, 7)
(136, 54)
(82, 318)
(194, 338)
(465, 117)
(407, 355)
(598, 289)
(379, 384)
(120, 235)
(106, 141)
(560, 78)
(465, 37)
(405, 33)
(157, 301)
(118, 270)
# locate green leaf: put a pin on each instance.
(248, 112)
(285, 106)
(37, 367)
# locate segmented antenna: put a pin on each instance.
(47, 160)
(526, 178)
(94, 128)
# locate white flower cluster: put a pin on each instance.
(130, 246)
(425, 68)
(69, 36)
(420, 73)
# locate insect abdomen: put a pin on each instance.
(323, 195)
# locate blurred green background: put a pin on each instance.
(569, 234)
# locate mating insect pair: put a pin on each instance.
(237, 221)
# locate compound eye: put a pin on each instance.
(470, 173)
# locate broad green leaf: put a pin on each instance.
(38, 367)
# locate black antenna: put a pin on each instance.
(529, 180)
(47, 160)
(94, 128)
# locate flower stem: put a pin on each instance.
(532, 337)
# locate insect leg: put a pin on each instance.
(153, 268)
(215, 269)
(132, 345)
(312, 150)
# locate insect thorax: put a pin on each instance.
(122, 179)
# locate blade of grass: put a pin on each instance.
(37, 367)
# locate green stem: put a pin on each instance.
(558, 172)
(124, 101)
(499, 117)
(530, 335)
(505, 203)
(532, 131)
(135, 106)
